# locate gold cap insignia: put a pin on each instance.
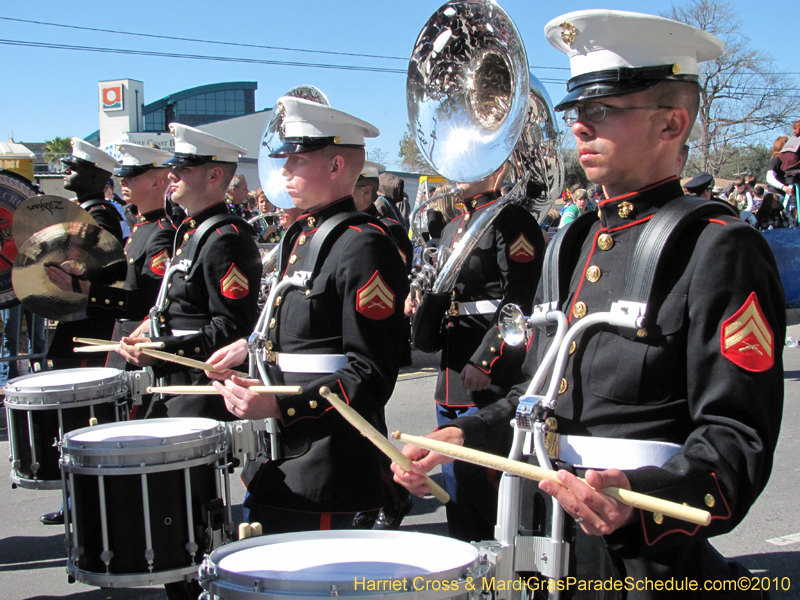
(676, 68)
(568, 33)
(337, 140)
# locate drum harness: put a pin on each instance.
(512, 553)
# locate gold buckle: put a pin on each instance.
(454, 308)
(551, 444)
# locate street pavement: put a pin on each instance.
(32, 556)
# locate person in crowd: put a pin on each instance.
(266, 226)
(711, 336)
(236, 196)
(758, 196)
(580, 201)
(771, 214)
(776, 179)
(391, 187)
(700, 185)
(344, 330)
(739, 197)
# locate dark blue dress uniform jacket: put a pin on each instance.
(355, 308)
(217, 298)
(707, 374)
(505, 266)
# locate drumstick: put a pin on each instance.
(210, 390)
(91, 341)
(476, 457)
(375, 436)
(188, 362)
(110, 347)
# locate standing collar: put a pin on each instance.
(629, 208)
(476, 202)
(312, 220)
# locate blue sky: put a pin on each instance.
(49, 92)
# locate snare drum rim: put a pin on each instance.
(112, 386)
(212, 441)
(222, 582)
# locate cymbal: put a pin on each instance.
(38, 212)
(93, 251)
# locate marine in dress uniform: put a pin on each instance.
(88, 170)
(212, 300)
(148, 249)
(344, 331)
(503, 268)
(714, 326)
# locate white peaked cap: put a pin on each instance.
(194, 147)
(83, 151)
(637, 50)
(372, 169)
(309, 126)
(137, 159)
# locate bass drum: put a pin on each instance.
(14, 190)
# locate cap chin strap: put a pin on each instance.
(630, 75)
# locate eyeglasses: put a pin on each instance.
(597, 111)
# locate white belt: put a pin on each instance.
(182, 332)
(481, 307)
(609, 453)
(308, 363)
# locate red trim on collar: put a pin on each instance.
(717, 221)
(637, 192)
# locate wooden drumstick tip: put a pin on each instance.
(92, 421)
(324, 391)
(396, 435)
(255, 529)
(244, 531)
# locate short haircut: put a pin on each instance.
(235, 181)
(354, 158)
(738, 180)
(228, 172)
(373, 182)
(758, 190)
(683, 94)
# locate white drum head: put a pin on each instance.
(342, 556)
(151, 429)
(62, 379)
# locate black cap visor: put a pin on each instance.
(303, 145)
(132, 170)
(74, 161)
(188, 160)
(617, 82)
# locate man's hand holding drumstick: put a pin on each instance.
(239, 400)
(597, 513)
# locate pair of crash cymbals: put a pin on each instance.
(53, 231)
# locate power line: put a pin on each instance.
(181, 39)
(223, 43)
(51, 46)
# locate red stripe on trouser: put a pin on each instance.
(324, 521)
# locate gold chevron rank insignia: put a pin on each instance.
(747, 340)
(521, 250)
(376, 299)
(158, 264)
(234, 285)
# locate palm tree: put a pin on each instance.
(56, 148)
